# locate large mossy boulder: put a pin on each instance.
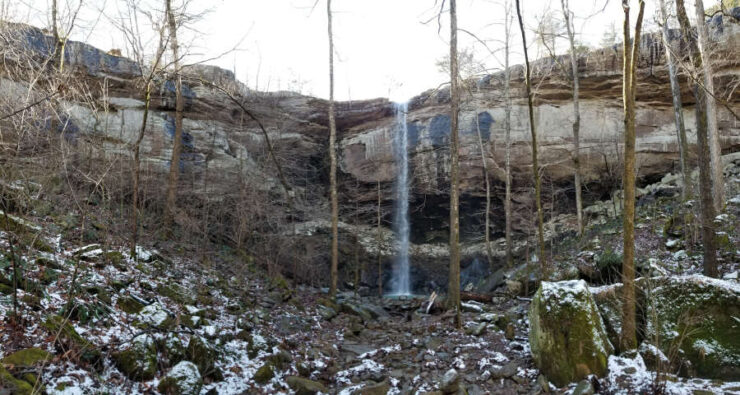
(139, 360)
(699, 316)
(567, 337)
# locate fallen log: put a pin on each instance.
(478, 297)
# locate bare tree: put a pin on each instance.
(170, 204)
(570, 27)
(454, 280)
(333, 165)
(378, 241)
(683, 145)
(130, 28)
(507, 131)
(706, 194)
(61, 33)
(631, 50)
(715, 145)
(535, 167)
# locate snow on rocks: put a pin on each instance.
(697, 314)
(567, 336)
(628, 375)
(184, 378)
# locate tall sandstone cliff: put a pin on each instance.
(220, 137)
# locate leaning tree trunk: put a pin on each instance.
(702, 140)
(535, 166)
(489, 251)
(333, 166)
(683, 145)
(715, 146)
(169, 214)
(454, 280)
(628, 339)
(576, 114)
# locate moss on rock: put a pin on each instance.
(27, 358)
(176, 293)
(68, 337)
(129, 305)
(567, 337)
(12, 384)
(205, 357)
(139, 360)
(264, 374)
(182, 379)
(697, 315)
(303, 386)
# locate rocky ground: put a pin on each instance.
(95, 320)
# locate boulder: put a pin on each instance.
(13, 385)
(450, 383)
(264, 374)
(697, 315)
(567, 336)
(629, 375)
(381, 388)
(608, 299)
(182, 379)
(68, 339)
(303, 386)
(27, 358)
(139, 360)
(200, 352)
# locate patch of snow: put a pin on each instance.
(367, 365)
(153, 314)
(628, 376)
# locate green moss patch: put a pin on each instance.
(567, 336)
(698, 316)
(69, 339)
(139, 360)
(27, 358)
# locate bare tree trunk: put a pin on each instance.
(333, 168)
(715, 145)
(507, 131)
(489, 252)
(454, 280)
(702, 139)
(58, 55)
(628, 339)
(378, 240)
(535, 166)
(683, 145)
(576, 113)
(137, 162)
(169, 214)
(137, 144)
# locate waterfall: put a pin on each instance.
(401, 282)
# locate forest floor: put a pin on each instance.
(108, 324)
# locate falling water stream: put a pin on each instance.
(401, 282)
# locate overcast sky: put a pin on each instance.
(384, 48)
